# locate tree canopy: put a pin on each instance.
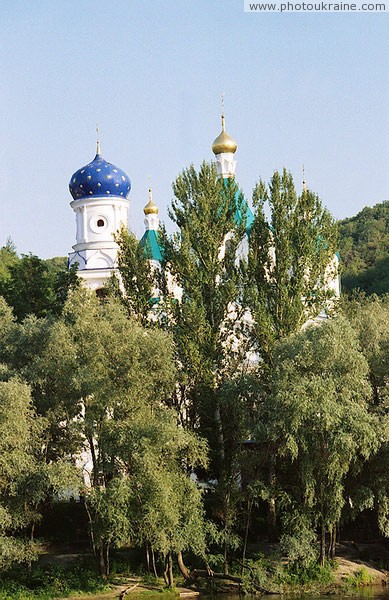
(364, 248)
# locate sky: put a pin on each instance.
(299, 88)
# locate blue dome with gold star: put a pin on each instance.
(99, 178)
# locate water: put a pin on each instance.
(367, 593)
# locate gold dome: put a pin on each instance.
(151, 208)
(224, 142)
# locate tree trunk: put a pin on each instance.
(168, 572)
(103, 559)
(165, 574)
(329, 542)
(147, 551)
(249, 509)
(323, 545)
(101, 555)
(153, 561)
(94, 462)
(272, 516)
(184, 571)
(220, 436)
(225, 559)
(107, 565)
(92, 537)
(332, 549)
(32, 532)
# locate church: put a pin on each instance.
(100, 192)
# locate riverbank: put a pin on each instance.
(65, 573)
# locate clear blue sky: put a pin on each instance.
(299, 88)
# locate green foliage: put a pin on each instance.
(364, 248)
(114, 376)
(19, 439)
(298, 541)
(257, 573)
(312, 573)
(290, 253)
(8, 257)
(359, 579)
(320, 415)
(368, 487)
(35, 286)
(136, 276)
(204, 210)
(45, 583)
(27, 288)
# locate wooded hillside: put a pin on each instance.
(364, 249)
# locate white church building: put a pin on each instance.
(100, 193)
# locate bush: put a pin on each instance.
(46, 583)
(360, 578)
(296, 574)
(300, 547)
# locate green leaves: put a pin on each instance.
(364, 248)
(136, 277)
(320, 415)
(289, 258)
(19, 443)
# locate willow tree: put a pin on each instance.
(19, 437)
(369, 317)
(107, 379)
(26, 481)
(321, 418)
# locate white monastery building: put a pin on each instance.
(100, 193)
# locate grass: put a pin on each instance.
(359, 579)
(45, 583)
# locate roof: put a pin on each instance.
(149, 241)
(248, 213)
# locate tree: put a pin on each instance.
(19, 439)
(369, 317)
(164, 506)
(103, 379)
(8, 257)
(136, 277)
(290, 260)
(364, 248)
(320, 418)
(36, 286)
(203, 312)
(201, 260)
(28, 289)
(64, 280)
(290, 256)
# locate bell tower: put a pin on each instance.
(99, 191)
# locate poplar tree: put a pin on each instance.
(136, 277)
(293, 242)
(200, 258)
